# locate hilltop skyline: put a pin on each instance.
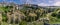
(38, 2)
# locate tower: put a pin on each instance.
(27, 1)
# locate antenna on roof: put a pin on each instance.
(3, 0)
(11, 1)
(26, 2)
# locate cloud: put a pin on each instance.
(56, 0)
(47, 3)
(38, 2)
(50, 1)
(43, 4)
(57, 3)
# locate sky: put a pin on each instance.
(38, 2)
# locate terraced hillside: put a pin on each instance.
(28, 14)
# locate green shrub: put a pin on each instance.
(53, 14)
(4, 17)
(58, 16)
(23, 23)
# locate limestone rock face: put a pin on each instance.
(15, 17)
(32, 14)
(0, 18)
